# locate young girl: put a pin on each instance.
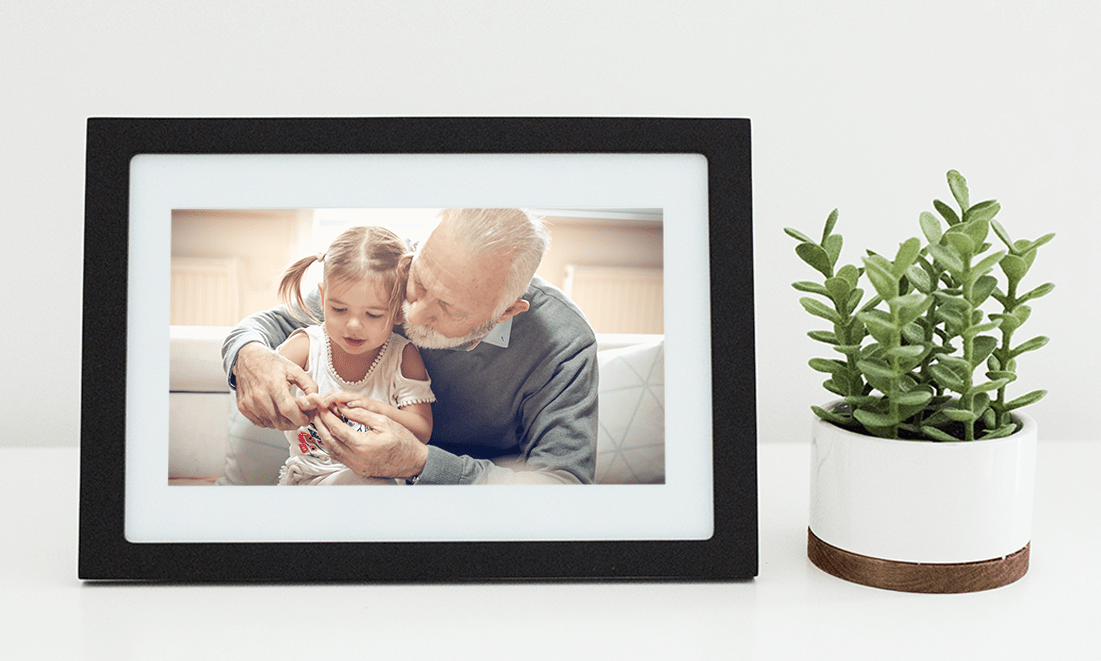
(355, 349)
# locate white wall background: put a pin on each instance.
(861, 105)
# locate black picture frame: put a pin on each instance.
(106, 554)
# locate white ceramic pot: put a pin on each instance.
(917, 502)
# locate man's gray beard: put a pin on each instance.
(425, 337)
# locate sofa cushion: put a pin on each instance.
(630, 446)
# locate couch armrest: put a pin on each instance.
(195, 359)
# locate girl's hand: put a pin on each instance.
(339, 401)
(311, 404)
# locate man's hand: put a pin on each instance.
(263, 388)
(386, 450)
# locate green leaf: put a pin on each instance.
(838, 289)
(798, 236)
(850, 273)
(908, 351)
(831, 220)
(911, 300)
(937, 434)
(952, 300)
(857, 401)
(952, 317)
(1042, 290)
(1000, 432)
(1031, 345)
(827, 366)
(986, 265)
(879, 325)
(963, 244)
(995, 375)
(1042, 240)
(908, 252)
(1025, 400)
(977, 230)
(980, 402)
(851, 382)
(913, 398)
(983, 287)
(958, 186)
(1022, 313)
(1033, 245)
(947, 213)
(872, 419)
(990, 418)
(981, 348)
(960, 415)
(875, 300)
(816, 257)
(930, 227)
(946, 378)
(829, 416)
(819, 309)
(1010, 322)
(958, 365)
(910, 307)
(947, 256)
(982, 212)
(1014, 267)
(1002, 234)
(972, 331)
(832, 245)
(989, 386)
(879, 272)
(811, 287)
(919, 278)
(854, 300)
(1021, 248)
(913, 333)
(876, 369)
(823, 336)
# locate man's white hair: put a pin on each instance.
(516, 234)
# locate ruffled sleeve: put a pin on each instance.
(406, 392)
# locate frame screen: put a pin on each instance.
(699, 523)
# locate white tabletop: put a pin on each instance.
(792, 610)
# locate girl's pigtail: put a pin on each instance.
(290, 289)
(397, 293)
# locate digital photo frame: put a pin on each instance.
(699, 524)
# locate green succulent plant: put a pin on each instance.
(910, 358)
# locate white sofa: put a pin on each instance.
(210, 442)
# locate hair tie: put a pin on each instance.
(320, 256)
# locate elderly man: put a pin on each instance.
(512, 362)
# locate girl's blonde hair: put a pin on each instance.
(358, 253)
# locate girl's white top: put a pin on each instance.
(384, 382)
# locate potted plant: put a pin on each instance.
(923, 467)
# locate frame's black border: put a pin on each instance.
(105, 553)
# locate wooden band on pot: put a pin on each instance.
(939, 578)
